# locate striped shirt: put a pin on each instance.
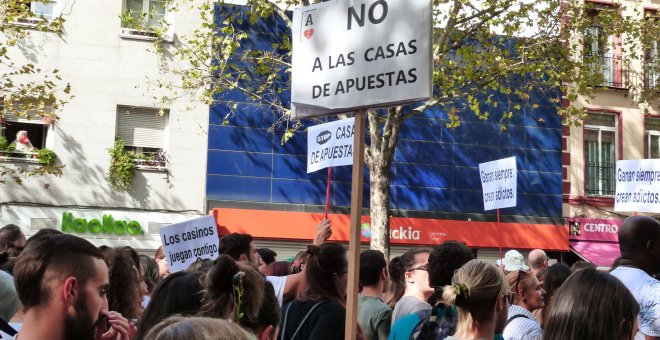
(524, 327)
(646, 291)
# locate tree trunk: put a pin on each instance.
(379, 198)
(379, 157)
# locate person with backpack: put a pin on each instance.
(319, 310)
(528, 296)
(439, 321)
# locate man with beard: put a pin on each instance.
(62, 281)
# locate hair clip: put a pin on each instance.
(237, 280)
(462, 294)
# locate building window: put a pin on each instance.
(21, 138)
(599, 51)
(143, 132)
(143, 15)
(652, 66)
(42, 9)
(33, 13)
(600, 150)
(652, 149)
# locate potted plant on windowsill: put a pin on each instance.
(155, 161)
(5, 148)
(46, 157)
(135, 25)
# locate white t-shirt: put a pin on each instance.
(4, 336)
(16, 326)
(646, 291)
(278, 283)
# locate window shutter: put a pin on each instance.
(141, 126)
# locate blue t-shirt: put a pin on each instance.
(402, 329)
(429, 324)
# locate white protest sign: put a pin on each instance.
(638, 185)
(350, 54)
(188, 241)
(499, 181)
(330, 144)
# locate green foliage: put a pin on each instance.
(46, 156)
(133, 20)
(25, 89)
(122, 167)
(4, 144)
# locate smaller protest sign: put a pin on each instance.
(499, 181)
(188, 241)
(330, 144)
(637, 185)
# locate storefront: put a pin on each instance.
(291, 231)
(595, 240)
(112, 227)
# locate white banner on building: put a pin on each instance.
(330, 144)
(350, 54)
(188, 241)
(499, 181)
(638, 185)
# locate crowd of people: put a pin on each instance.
(60, 286)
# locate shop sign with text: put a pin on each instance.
(594, 229)
(107, 225)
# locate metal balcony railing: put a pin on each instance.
(614, 69)
(599, 178)
(18, 156)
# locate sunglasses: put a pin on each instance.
(508, 297)
(518, 281)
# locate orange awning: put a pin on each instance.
(287, 225)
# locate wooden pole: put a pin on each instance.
(356, 219)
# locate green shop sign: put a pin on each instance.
(107, 226)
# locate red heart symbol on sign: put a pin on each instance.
(308, 33)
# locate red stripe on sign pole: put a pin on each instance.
(499, 232)
(327, 193)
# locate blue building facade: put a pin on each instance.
(435, 169)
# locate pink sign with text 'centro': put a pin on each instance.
(593, 229)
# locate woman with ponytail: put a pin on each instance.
(319, 310)
(481, 294)
(234, 291)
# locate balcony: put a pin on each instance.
(599, 178)
(18, 156)
(614, 69)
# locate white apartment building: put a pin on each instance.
(108, 63)
(617, 128)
